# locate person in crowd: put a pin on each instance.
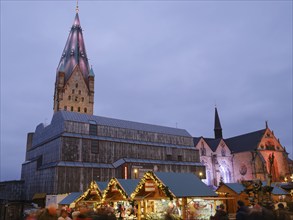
(280, 213)
(50, 213)
(221, 214)
(256, 212)
(75, 214)
(83, 213)
(121, 210)
(243, 211)
(64, 215)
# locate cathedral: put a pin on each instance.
(243, 157)
(78, 146)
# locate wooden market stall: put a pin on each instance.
(230, 193)
(118, 192)
(279, 194)
(92, 196)
(174, 190)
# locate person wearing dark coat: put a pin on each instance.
(220, 214)
(242, 212)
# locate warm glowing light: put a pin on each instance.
(135, 170)
(200, 173)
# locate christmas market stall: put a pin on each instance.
(279, 194)
(230, 193)
(117, 195)
(176, 195)
(92, 196)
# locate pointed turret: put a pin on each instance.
(74, 52)
(217, 127)
(74, 86)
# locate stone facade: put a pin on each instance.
(244, 157)
(74, 95)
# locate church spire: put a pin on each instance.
(74, 52)
(217, 127)
(74, 86)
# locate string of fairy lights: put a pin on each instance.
(114, 183)
(151, 176)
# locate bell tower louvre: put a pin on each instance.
(74, 86)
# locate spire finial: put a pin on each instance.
(77, 10)
(267, 124)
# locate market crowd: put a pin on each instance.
(107, 212)
(257, 212)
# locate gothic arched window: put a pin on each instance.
(223, 152)
(203, 151)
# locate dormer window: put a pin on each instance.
(76, 85)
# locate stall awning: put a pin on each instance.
(70, 198)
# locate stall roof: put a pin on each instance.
(236, 187)
(102, 185)
(185, 184)
(70, 198)
(279, 191)
(128, 185)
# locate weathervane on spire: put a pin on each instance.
(77, 10)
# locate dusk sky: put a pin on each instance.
(159, 62)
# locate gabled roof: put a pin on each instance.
(70, 198)
(74, 52)
(185, 184)
(213, 143)
(128, 185)
(196, 140)
(101, 185)
(236, 187)
(245, 142)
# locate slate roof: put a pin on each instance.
(185, 185)
(128, 185)
(85, 118)
(74, 52)
(213, 143)
(245, 142)
(70, 198)
(196, 140)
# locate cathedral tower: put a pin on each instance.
(217, 127)
(74, 86)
